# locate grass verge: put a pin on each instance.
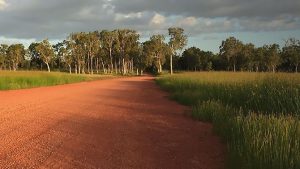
(257, 115)
(29, 79)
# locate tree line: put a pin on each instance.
(234, 55)
(120, 51)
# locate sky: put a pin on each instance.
(206, 22)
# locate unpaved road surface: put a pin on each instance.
(117, 123)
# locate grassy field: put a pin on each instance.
(28, 79)
(256, 114)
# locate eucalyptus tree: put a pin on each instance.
(67, 52)
(230, 49)
(272, 59)
(178, 40)
(156, 50)
(93, 46)
(58, 54)
(128, 44)
(77, 50)
(108, 40)
(291, 50)
(246, 57)
(3, 55)
(15, 53)
(35, 60)
(258, 58)
(46, 52)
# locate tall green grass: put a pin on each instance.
(29, 79)
(257, 115)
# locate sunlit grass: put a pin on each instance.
(28, 79)
(257, 114)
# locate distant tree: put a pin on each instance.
(156, 50)
(35, 60)
(272, 56)
(246, 57)
(191, 58)
(16, 53)
(230, 49)
(178, 40)
(127, 44)
(108, 39)
(68, 55)
(291, 51)
(258, 58)
(93, 47)
(58, 54)
(196, 59)
(3, 55)
(46, 52)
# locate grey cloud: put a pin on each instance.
(212, 8)
(55, 19)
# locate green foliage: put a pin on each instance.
(21, 80)
(257, 115)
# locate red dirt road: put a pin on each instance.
(117, 123)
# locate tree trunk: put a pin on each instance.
(111, 61)
(273, 68)
(48, 67)
(92, 71)
(116, 67)
(97, 65)
(160, 66)
(88, 64)
(70, 69)
(103, 66)
(234, 67)
(256, 68)
(123, 66)
(296, 69)
(75, 69)
(83, 69)
(171, 64)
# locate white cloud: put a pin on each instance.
(3, 4)
(157, 20)
(188, 21)
(9, 41)
(122, 17)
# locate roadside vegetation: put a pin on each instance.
(28, 79)
(256, 114)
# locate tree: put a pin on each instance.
(191, 59)
(108, 39)
(128, 44)
(45, 51)
(230, 49)
(178, 40)
(3, 55)
(272, 56)
(246, 57)
(93, 47)
(16, 53)
(291, 50)
(156, 50)
(258, 58)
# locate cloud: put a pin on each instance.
(157, 19)
(55, 19)
(3, 4)
(212, 8)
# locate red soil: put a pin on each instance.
(116, 123)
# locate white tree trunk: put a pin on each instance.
(48, 67)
